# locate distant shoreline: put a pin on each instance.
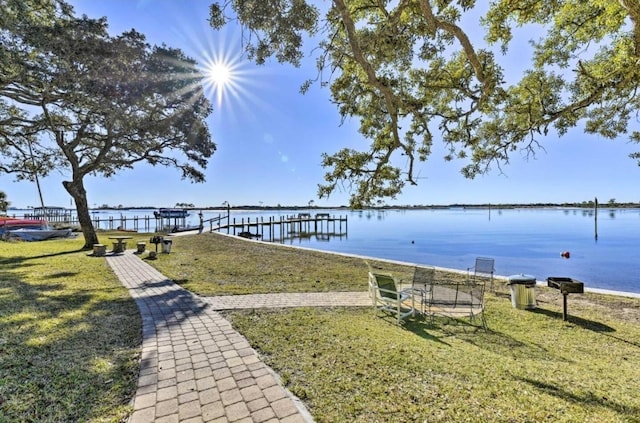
(583, 205)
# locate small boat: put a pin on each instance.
(10, 223)
(40, 234)
(121, 229)
(171, 213)
(249, 235)
(188, 228)
(30, 229)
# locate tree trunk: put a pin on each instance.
(76, 189)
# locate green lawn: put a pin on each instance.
(69, 339)
(214, 264)
(348, 365)
(69, 335)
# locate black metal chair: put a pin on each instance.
(483, 268)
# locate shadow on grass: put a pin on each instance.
(442, 327)
(19, 261)
(598, 327)
(49, 300)
(422, 327)
(54, 340)
(578, 321)
(588, 399)
(61, 275)
(473, 333)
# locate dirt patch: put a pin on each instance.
(622, 308)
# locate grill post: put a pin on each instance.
(566, 286)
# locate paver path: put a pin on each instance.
(194, 366)
(307, 299)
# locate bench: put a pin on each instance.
(455, 299)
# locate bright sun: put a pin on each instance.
(219, 74)
(221, 77)
(223, 72)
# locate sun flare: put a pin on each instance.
(226, 76)
(222, 76)
(219, 74)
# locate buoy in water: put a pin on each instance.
(565, 254)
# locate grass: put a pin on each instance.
(69, 335)
(349, 366)
(214, 264)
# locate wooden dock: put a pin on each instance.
(322, 226)
(136, 223)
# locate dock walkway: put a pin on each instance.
(194, 366)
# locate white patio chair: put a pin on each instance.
(385, 296)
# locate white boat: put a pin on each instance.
(38, 234)
(171, 213)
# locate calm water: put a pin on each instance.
(525, 241)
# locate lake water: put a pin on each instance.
(525, 240)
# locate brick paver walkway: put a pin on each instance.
(194, 366)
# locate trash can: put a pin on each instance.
(166, 246)
(523, 291)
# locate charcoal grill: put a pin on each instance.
(156, 240)
(566, 286)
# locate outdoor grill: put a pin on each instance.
(566, 286)
(156, 240)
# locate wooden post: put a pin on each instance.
(595, 219)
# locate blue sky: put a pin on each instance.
(270, 139)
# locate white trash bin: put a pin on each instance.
(523, 291)
(166, 246)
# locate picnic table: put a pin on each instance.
(120, 242)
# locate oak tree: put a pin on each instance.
(418, 71)
(4, 203)
(77, 100)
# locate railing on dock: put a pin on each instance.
(322, 226)
(136, 223)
